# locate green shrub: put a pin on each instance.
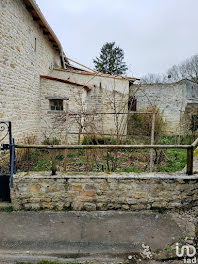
(98, 140)
(52, 141)
(141, 124)
(131, 170)
(176, 161)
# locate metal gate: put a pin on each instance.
(7, 160)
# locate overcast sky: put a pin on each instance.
(154, 34)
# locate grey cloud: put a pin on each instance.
(153, 33)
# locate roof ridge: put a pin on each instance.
(101, 74)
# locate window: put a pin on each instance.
(132, 103)
(56, 104)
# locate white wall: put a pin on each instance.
(52, 122)
(169, 98)
(97, 100)
(108, 83)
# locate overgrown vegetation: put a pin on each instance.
(141, 124)
(101, 160)
(8, 209)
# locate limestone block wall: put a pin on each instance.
(108, 102)
(169, 98)
(108, 83)
(57, 123)
(191, 91)
(101, 99)
(100, 191)
(25, 53)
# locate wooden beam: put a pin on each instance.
(152, 141)
(105, 146)
(190, 161)
(110, 113)
(195, 143)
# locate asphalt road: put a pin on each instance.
(81, 235)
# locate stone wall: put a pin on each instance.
(96, 100)
(106, 82)
(102, 100)
(25, 54)
(21, 64)
(100, 191)
(169, 98)
(191, 91)
(57, 123)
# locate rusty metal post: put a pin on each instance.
(189, 170)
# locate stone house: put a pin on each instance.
(177, 103)
(38, 84)
(80, 92)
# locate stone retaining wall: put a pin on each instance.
(100, 191)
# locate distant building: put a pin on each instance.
(177, 103)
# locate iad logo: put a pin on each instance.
(188, 252)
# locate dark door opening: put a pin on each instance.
(7, 160)
(5, 189)
(132, 103)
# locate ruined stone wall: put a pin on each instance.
(99, 191)
(191, 91)
(21, 64)
(191, 106)
(169, 98)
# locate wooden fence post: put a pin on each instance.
(66, 138)
(190, 161)
(152, 141)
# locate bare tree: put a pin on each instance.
(153, 78)
(187, 69)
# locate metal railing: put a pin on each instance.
(189, 148)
